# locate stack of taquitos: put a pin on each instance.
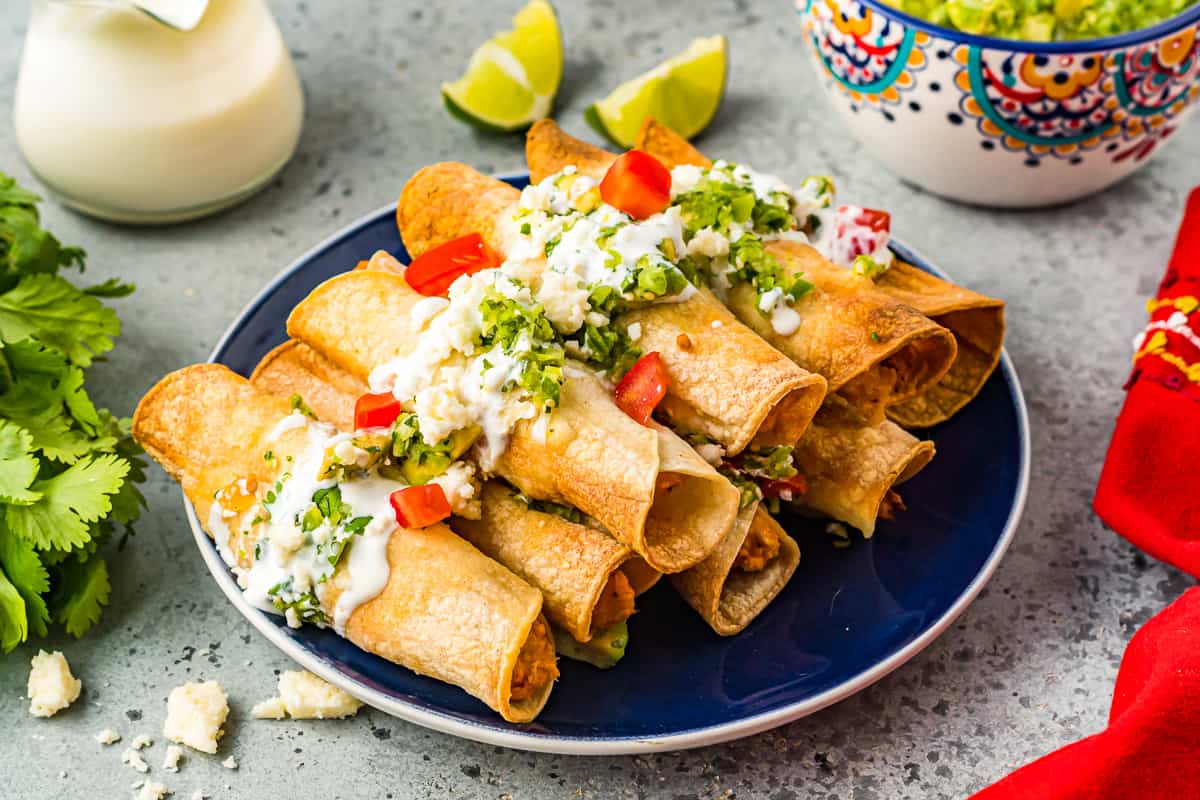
(644, 484)
(739, 578)
(876, 352)
(976, 321)
(852, 465)
(587, 578)
(727, 384)
(446, 610)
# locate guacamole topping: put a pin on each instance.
(1044, 20)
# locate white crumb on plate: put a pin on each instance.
(230, 763)
(303, 695)
(108, 736)
(52, 687)
(195, 714)
(134, 759)
(153, 791)
(172, 758)
(141, 742)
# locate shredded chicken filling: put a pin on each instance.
(535, 665)
(760, 546)
(615, 604)
(665, 482)
(891, 505)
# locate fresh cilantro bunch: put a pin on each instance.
(68, 470)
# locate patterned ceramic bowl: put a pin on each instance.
(1000, 122)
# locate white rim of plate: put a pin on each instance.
(519, 740)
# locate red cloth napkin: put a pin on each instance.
(1151, 748)
(1149, 489)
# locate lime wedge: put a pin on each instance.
(682, 93)
(513, 77)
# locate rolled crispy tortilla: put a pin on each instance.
(446, 610)
(977, 321)
(852, 470)
(580, 570)
(726, 383)
(741, 577)
(644, 484)
(577, 568)
(872, 350)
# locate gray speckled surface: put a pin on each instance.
(1028, 668)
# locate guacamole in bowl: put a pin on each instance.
(1044, 20)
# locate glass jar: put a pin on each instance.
(127, 119)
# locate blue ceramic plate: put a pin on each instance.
(847, 618)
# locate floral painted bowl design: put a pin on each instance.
(999, 122)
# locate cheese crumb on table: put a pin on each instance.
(134, 759)
(230, 763)
(108, 736)
(52, 687)
(153, 791)
(172, 758)
(141, 741)
(303, 695)
(195, 714)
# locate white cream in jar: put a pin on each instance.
(128, 119)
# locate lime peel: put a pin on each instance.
(513, 78)
(684, 93)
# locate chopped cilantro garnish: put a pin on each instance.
(569, 513)
(416, 462)
(773, 463)
(305, 604)
(608, 349)
(750, 493)
(526, 334)
(868, 267)
(298, 404)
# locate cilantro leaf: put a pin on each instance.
(28, 575)
(71, 499)
(80, 406)
(81, 590)
(18, 465)
(25, 248)
(14, 627)
(113, 287)
(53, 311)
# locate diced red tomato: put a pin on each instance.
(419, 506)
(432, 273)
(878, 221)
(861, 231)
(794, 486)
(376, 410)
(643, 387)
(638, 184)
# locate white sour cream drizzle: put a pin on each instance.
(451, 383)
(285, 553)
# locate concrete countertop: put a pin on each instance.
(1027, 669)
